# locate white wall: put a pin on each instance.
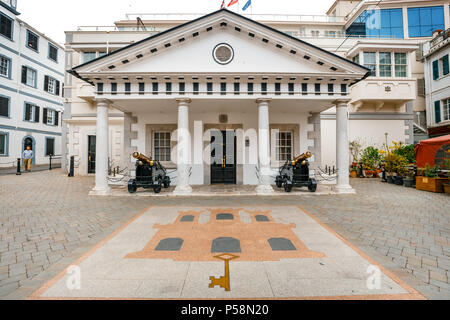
(367, 132)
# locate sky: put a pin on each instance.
(53, 17)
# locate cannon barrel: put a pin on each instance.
(141, 157)
(302, 158)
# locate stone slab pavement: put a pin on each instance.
(47, 221)
(311, 262)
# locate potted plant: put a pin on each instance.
(409, 180)
(370, 159)
(354, 170)
(429, 180)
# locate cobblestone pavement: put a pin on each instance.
(47, 218)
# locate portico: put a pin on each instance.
(221, 73)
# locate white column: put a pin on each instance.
(101, 151)
(183, 148)
(342, 149)
(264, 186)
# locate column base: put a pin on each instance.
(182, 190)
(100, 191)
(264, 189)
(345, 189)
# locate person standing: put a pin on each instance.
(27, 158)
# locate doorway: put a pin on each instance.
(28, 141)
(223, 157)
(91, 153)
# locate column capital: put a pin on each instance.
(263, 101)
(183, 101)
(102, 101)
(341, 102)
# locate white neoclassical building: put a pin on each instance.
(262, 88)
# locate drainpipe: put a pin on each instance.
(18, 81)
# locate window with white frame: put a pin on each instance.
(50, 117)
(161, 146)
(370, 61)
(315, 33)
(29, 76)
(400, 64)
(446, 110)
(4, 106)
(32, 40)
(31, 112)
(52, 52)
(283, 147)
(385, 62)
(88, 56)
(5, 66)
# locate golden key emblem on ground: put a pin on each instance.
(223, 282)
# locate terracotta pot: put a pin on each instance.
(353, 174)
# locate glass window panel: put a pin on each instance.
(4, 66)
(425, 16)
(396, 18)
(413, 17)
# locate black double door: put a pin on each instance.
(223, 157)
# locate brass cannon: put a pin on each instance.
(149, 174)
(295, 173)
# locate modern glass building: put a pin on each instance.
(389, 23)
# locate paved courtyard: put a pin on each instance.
(47, 222)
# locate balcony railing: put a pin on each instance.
(257, 17)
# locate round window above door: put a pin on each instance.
(223, 53)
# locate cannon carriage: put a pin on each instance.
(295, 173)
(149, 174)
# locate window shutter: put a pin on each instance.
(44, 115)
(36, 114)
(24, 74)
(57, 87)
(56, 118)
(421, 87)
(436, 70)
(446, 66)
(28, 112)
(437, 111)
(46, 83)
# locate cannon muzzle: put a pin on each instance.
(302, 158)
(144, 159)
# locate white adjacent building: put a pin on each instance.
(436, 55)
(31, 88)
(300, 82)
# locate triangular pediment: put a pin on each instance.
(189, 48)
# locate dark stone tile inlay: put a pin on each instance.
(187, 219)
(224, 216)
(281, 244)
(170, 244)
(226, 245)
(261, 218)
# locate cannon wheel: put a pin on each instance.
(157, 188)
(287, 187)
(166, 182)
(312, 187)
(279, 182)
(132, 188)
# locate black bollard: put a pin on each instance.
(50, 163)
(18, 167)
(72, 165)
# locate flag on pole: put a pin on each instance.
(223, 4)
(248, 4)
(232, 2)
